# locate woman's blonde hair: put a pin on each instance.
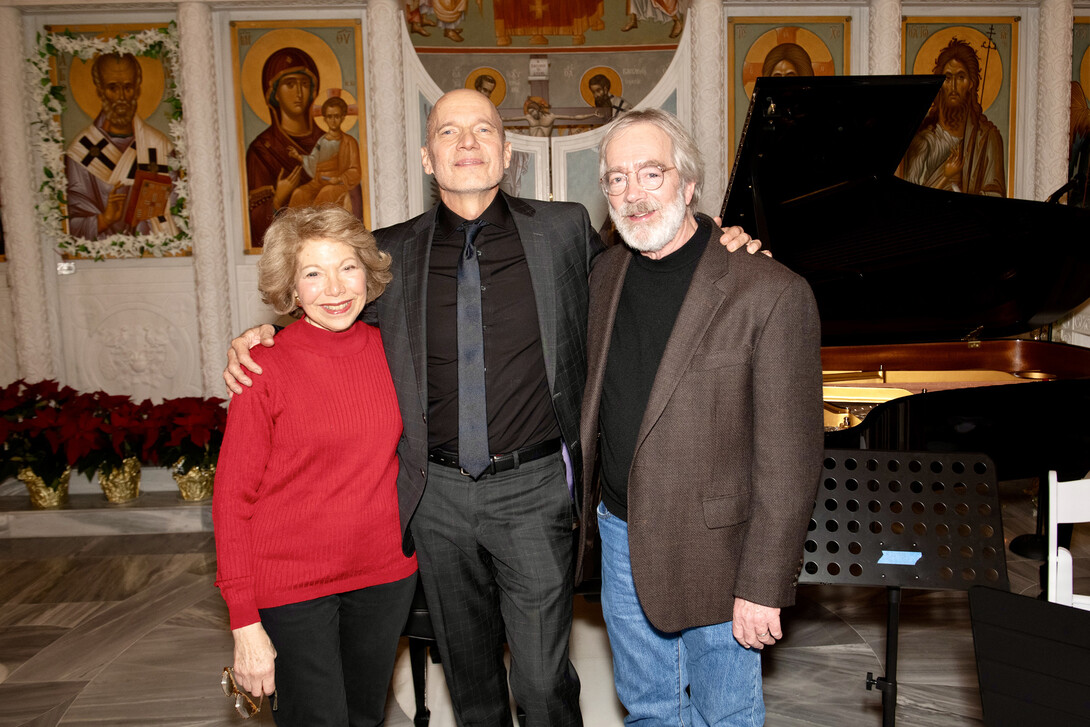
(294, 227)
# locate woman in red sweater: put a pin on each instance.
(305, 506)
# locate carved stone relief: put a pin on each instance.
(131, 330)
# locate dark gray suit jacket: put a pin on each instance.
(729, 450)
(560, 244)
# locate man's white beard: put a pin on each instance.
(645, 236)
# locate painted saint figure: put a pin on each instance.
(447, 14)
(486, 84)
(957, 148)
(787, 59)
(656, 11)
(333, 165)
(608, 104)
(289, 83)
(102, 161)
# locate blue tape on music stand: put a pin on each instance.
(899, 557)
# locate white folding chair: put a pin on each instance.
(1068, 502)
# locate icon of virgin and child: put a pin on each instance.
(294, 162)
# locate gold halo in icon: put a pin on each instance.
(992, 75)
(316, 109)
(152, 83)
(616, 87)
(329, 68)
(820, 57)
(499, 93)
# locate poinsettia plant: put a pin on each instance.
(49, 428)
(35, 419)
(111, 428)
(188, 432)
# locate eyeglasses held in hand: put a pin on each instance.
(649, 177)
(244, 704)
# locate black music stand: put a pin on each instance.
(905, 520)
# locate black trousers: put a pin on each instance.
(497, 553)
(335, 655)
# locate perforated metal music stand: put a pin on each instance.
(905, 520)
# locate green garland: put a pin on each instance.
(160, 43)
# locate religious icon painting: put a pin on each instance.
(1079, 159)
(770, 46)
(302, 131)
(966, 141)
(489, 81)
(108, 135)
(552, 68)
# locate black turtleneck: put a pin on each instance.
(650, 300)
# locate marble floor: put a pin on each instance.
(128, 630)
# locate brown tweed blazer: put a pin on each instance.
(729, 451)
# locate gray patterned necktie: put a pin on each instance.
(472, 409)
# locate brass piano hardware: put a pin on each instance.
(1035, 375)
(839, 417)
(973, 337)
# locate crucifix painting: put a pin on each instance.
(539, 117)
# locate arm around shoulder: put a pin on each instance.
(239, 360)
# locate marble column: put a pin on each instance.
(34, 334)
(885, 38)
(206, 215)
(1053, 96)
(709, 108)
(386, 92)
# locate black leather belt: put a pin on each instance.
(499, 462)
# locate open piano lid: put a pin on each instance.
(890, 261)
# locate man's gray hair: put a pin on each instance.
(690, 167)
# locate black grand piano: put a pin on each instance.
(922, 292)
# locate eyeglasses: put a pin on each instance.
(244, 705)
(649, 178)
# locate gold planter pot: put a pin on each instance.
(42, 496)
(196, 484)
(123, 484)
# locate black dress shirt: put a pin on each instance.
(520, 411)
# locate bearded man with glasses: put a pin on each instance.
(701, 436)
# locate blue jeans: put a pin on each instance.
(696, 677)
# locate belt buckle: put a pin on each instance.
(489, 470)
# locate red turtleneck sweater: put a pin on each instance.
(305, 500)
